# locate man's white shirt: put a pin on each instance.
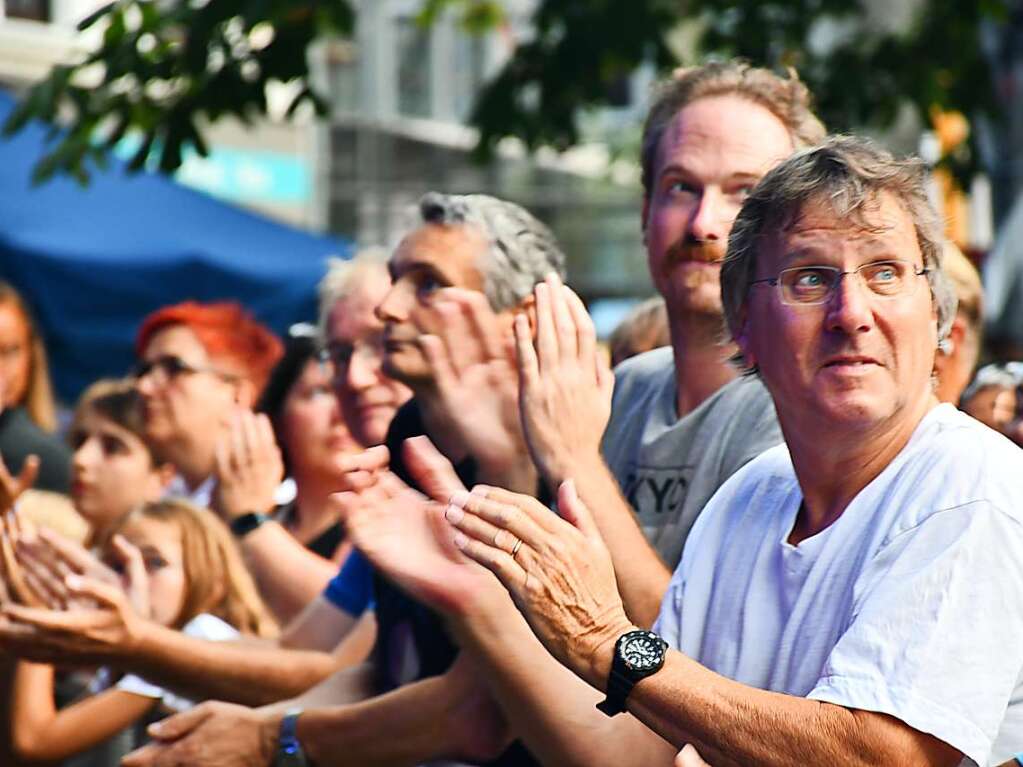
(909, 604)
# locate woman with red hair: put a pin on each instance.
(198, 364)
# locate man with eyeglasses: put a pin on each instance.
(853, 596)
(198, 363)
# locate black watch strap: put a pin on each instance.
(618, 689)
(625, 673)
(246, 523)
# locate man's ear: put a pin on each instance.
(528, 307)
(742, 338)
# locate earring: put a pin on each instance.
(946, 346)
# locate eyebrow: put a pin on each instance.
(737, 176)
(422, 267)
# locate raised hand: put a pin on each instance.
(83, 635)
(403, 532)
(12, 487)
(475, 378)
(213, 733)
(557, 569)
(565, 384)
(136, 578)
(248, 467)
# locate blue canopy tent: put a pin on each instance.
(93, 261)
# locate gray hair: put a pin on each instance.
(787, 98)
(849, 174)
(344, 276)
(522, 252)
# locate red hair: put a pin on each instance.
(228, 333)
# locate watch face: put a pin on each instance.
(642, 651)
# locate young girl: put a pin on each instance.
(112, 468)
(181, 569)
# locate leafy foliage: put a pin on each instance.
(165, 66)
(859, 71)
(169, 65)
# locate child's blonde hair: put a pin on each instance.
(216, 579)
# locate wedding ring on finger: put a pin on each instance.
(516, 547)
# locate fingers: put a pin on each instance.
(527, 504)
(74, 556)
(439, 358)
(546, 330)
(145, 756)
(502, 564)
(135, 570)
(29, 472)
(105, 594)
(529, 366)
(179, 725)
(496, 524)
(573, 510)
(358, 471)
(47, 585)
(564, 323)
(430, 469)
(586, 333)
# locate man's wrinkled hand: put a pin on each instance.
(212, 734)
(565, 384)
(557, 569)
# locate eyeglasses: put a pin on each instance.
(342, 353)
(812, 285)
(168, 367)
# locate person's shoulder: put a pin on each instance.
(210, 627)
(645, 366)
(19, 427)
(770, 471)
(954, 461)
(407, 423)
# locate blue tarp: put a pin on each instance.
(93, 261)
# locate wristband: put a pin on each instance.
(246, 523)
(289, 750)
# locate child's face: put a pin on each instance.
(111, 471)
(160, 544)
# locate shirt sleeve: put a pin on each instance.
(351, 590)
(934, 635)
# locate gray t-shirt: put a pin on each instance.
(669, 467)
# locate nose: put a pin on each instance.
(393, 307)
(86, 453)
(145, 385)
(849, 307)
(363, 369)
(712, 217)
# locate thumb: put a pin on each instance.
(431, 470)
(179, 725)
(573, 510)
(29, 472)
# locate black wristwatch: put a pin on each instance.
(289, 750)
(246, 523)
(638, 654)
